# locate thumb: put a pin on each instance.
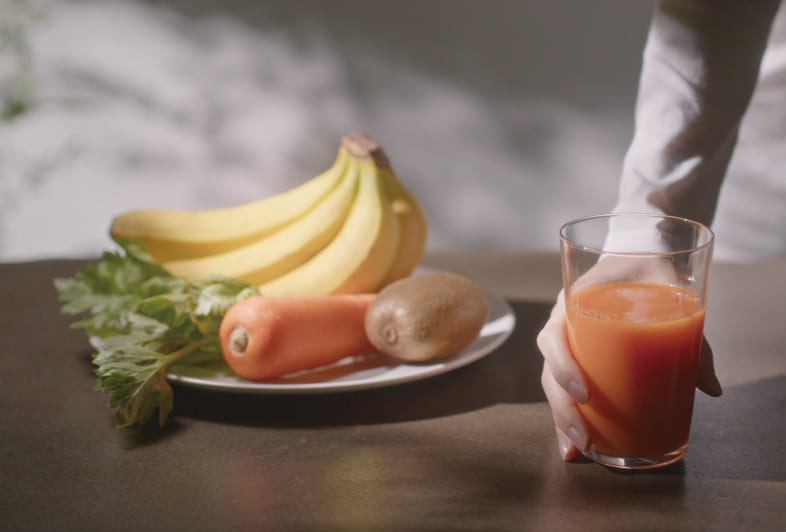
(706, 380)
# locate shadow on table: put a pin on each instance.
(741, 434)
(511, 374)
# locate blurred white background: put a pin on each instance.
(505, 117)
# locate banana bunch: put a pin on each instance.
(352, 229)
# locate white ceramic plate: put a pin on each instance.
(354, 373)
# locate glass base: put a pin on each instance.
(636, 462)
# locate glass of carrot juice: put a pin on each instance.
(635, 288)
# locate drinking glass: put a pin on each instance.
(635, 289)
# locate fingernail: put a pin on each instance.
(564, 445)
(577, 391)
(578, 437)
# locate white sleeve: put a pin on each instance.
(700, 65)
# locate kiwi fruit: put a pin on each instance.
(426, 317)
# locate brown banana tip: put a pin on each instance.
(368, 146)
(355, 148)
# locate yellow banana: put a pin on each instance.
(412, 220)
(361, 254)
(285, 249)
(171, 234)
(413, 224)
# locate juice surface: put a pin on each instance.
(637, 344)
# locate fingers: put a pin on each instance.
(567, 450)
(706, 380)
(572, 433)
(563, 384)
(553, 344)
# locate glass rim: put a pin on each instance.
(610, 215)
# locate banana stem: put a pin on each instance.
(368, 146)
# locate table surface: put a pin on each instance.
(472, 449)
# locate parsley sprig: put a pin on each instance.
(141, 320)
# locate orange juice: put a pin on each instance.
(637, 345)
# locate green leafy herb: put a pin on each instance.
(141, 319)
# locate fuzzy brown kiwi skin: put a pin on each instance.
(426, 317)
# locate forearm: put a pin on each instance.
(700, 66)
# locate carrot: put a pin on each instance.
(264, 338)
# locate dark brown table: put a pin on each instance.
(472, 449)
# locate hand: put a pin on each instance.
(564, 386)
